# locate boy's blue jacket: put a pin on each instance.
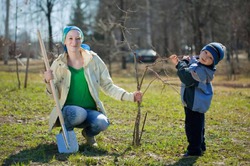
(196, 88)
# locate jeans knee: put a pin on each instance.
(100, 124)
(74, 115)
(103, 124)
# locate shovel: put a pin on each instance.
(66, 140)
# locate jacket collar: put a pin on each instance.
(87, 57)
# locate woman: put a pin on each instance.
(78, 74)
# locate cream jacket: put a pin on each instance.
(97, 77)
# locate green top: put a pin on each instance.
(79, 93)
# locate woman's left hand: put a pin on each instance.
(138, 96)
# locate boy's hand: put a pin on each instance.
(174, 59)
(186, 57)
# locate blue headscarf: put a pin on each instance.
(65, 32)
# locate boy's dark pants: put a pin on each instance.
(195, 130)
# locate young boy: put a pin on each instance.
(196, 74)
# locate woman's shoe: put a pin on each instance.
(90, 140)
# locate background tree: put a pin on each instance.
(78, 16)
(166, 26)
(109, 31)
(6, 41)
(122, 20)
(47, 8)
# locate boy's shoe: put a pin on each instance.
(90, 140)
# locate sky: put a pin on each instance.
(30, 23)
(1, 18)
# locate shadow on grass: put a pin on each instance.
(89, 151)
(45, 153)
(41, 154)
(186, 161)
(92, 151)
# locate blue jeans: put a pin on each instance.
(92, 121)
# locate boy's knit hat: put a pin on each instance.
(69, 28)
(218, 51)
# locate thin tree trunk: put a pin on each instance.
(17, 69)
(6, 54)
(124, 64)
(148, 24)
(27, 70)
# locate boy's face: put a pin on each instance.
(206, 58)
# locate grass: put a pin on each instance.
(24, 137)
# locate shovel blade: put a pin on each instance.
(72, 140)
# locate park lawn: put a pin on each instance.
(25, 140)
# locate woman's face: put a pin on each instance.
(73, 41)
(206, 58)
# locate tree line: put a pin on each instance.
(180, 26)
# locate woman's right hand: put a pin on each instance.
(48, 76)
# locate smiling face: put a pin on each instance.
(206, 58)
(73, 41)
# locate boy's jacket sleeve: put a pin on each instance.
(184, 74)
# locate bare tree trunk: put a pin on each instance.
(7, 19)
(49, 4)
(136, 134)
(197, 29)
(27, 68)
(248, 44)
(248, 53)
(148, 24)
(124, 65)
(48, 14)
(50, 33)
(165, 33)
(6, 53)
(17, 69)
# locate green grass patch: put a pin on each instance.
(24, 137)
